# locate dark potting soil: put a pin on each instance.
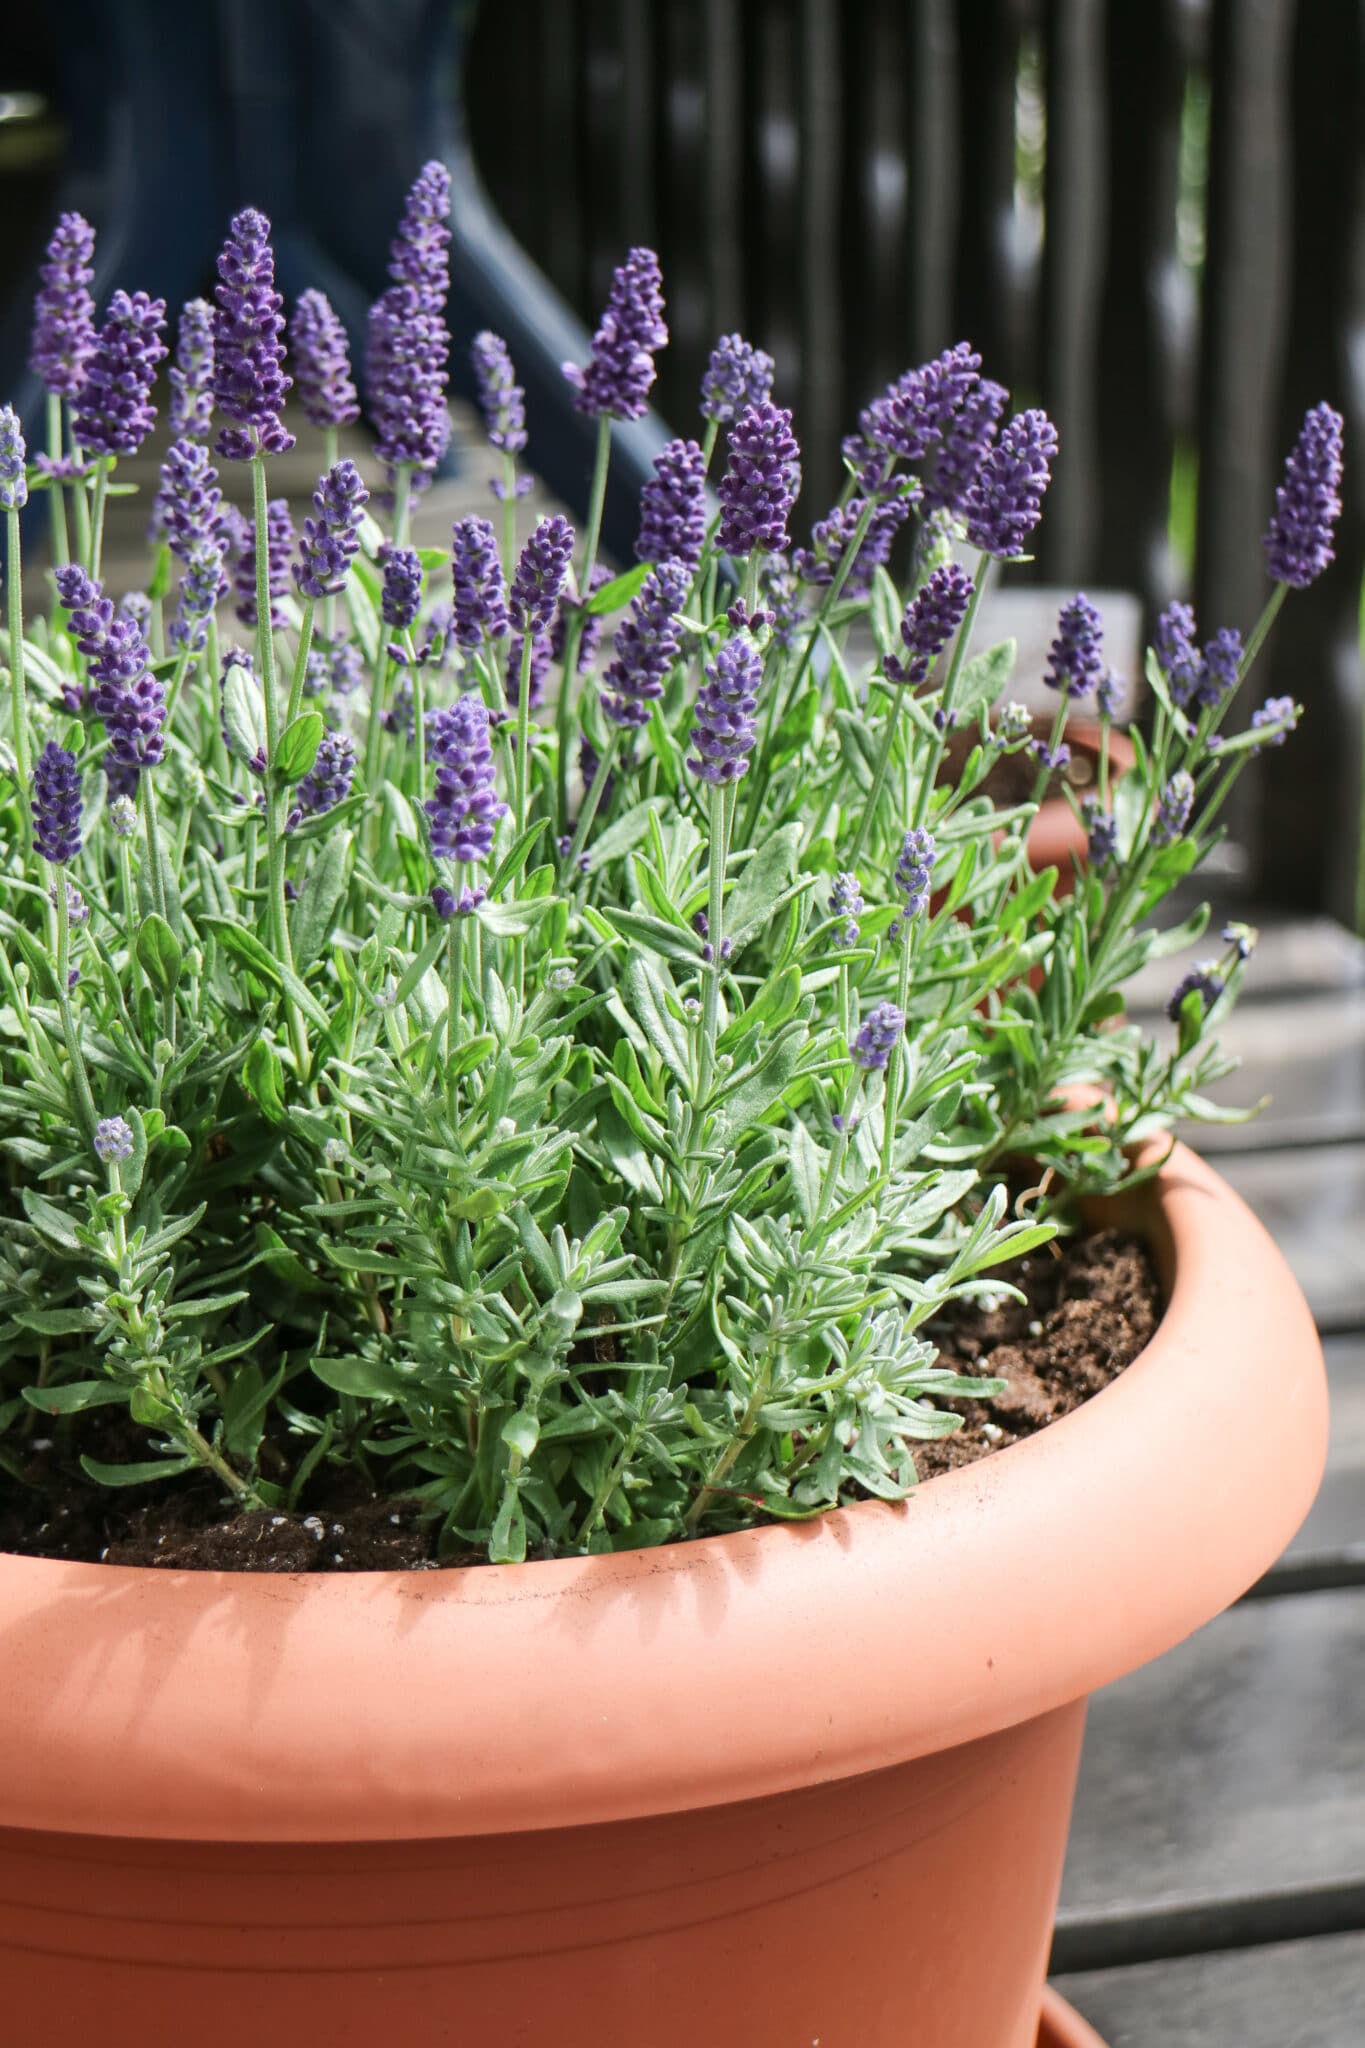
(1093, 1303)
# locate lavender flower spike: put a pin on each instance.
(56, 805)
(113, 1140)
(1275, 718)
(1174, 808)
(204, 585)
(480, 591)
(328, 781)
(249, 381)
(418, 254)
(737, 376)
(332, 535)
(540, 575)
(501, 399)
(1075, 665)
(322, 363)
(1005, 501)
(931, 619)
(407, 351)
(1298, 541)
(64, 313)
(759, 487)
(846, 901)
(673, 507)
(188, 501)
(647, 645)
(13, 457)
(723, 725)
(877, 1040)
(1176, 651)
(191, 376)
(114, 413)
(279, 545)
(401, 594)
(127, 696)
(617, 380)
(465, 808)
(917, 856)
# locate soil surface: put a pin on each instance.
(1092, 1306)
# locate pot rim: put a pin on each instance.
(397, 1705)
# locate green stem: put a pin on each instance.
(402, 504)
(300, 675)
(829, 1186)
(274, 795)
(564, 708)
(147, 784)
(891, 1091)
(80, 503)
(85, 1101)
(878, 778)
(715, 920)
(178, 675)
(509, 515)
(946, 701)
(373, 729)
(56, 493)
(592, 798)
(454, 1001)
(102, 468)
(23, 760)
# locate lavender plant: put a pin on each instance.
(573, 1120)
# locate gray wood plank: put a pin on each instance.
(1313, 1204)
(1330, 1547)
(1297, 1994)
(1222, 1790)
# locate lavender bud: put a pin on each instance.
(501, 399)
(127, 696)
(479, 588)
(1102, 832)
(1176, 652)
(1276, 717)
(1203, 979)
(191, 375)
(723, 724)
(113, 1140)
(56, 805)
(1221, 668)
(833, 536)
(1005, 501)
(1174, 808)
(617, 380)
(64, 312)
(114, 413)
(1298, 541)
(783, 595)
(673, 507)
(759, 487)
(189, 503)
(1075, 664)
(917, 856)
(873, 1046)
(328, 781)
(964, 446)
(846, 901)
(647, 644)
(589, 632)
(401, 594)
(123, 816)
(13, 456)
(464, 810)
(540, 574)
(419, 251)
(322, 363)
(913, 415)
(332, 535)
(1109, 694)
(1013, 727)
(931, 618)
(737, 376)
(249, 381)
(1054, 759)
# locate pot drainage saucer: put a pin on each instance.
(1061, 2026)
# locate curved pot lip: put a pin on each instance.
(392, 1705)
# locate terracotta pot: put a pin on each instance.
(796, 1785)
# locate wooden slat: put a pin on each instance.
(984, 285)
(823, 118)
(724, 184)
(563, 242)
(1312, 1203)
(928, 65)
(1222, 1789)
(1295, 1994)
(1330, 1548)
(678, 73)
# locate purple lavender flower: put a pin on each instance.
(328, 781)
(589, 633)
(419, 252)
(1102, 832)
(647, 645)
(1220, 669)
(191, 375)
(114, 414)
(279, 544)
(401, 594)
(1204, 980)
(205, 585)
(917, 856)
(136, 606)
(113, 1140)
(1173, 809)
(759, 487)
(617, 380)
(1054, 759)
(1013, 727)
(480, 590)
(1075, 665)
(1276, 717)
(723, 725)
(1108, 694)
(912, 417)
(189, 502)
(332, 535)
(832, 537)
(13, 456)
(501, 399)
(930, 620)
(1298, 541)
(406, 358)
(322, 363)
(880, 1035)
(127, 696)
(846, 901)
(782, 595)
(465, 809)
(56, 805)
(737, 376)
(1005, 501)
(334, 669)
(64, 312)
(1174, 644)
(249, 381)
(539, 579)
(963, 448)
(673, 507)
